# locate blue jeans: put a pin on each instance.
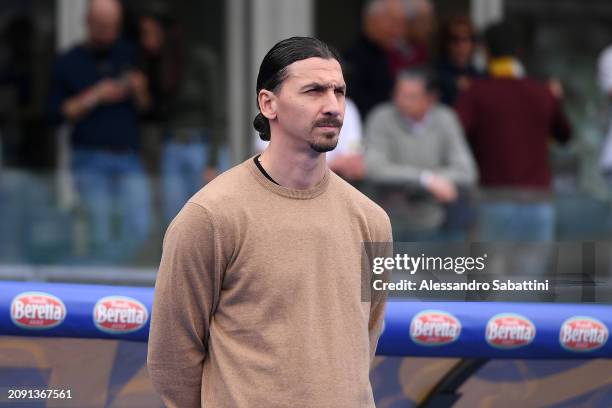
(528, 226)
(182, 173)
(509, 221)
(112, 184)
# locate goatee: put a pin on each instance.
(323, 147)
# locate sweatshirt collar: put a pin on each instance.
(297, 194)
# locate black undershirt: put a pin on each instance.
(263, 171)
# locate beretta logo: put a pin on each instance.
(434, 328)
(583, 334)
(119, 314)
(509, 330)
(37, 310)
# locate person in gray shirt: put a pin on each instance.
(416, 152)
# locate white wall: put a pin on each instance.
(252, 28)
(70, 22)
(485, 12)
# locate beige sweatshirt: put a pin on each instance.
(258, 297)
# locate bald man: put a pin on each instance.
(97, 90)
(103, 22)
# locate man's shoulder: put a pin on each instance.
(121, 49)
(382, 112)
(363, 48)
(605, 57)
(223, 189)
(487, 84)
(360, 202)
(365, 57)
(214, 205)
(606, 51)
(124, 50)
(70, 56)
(443, 113)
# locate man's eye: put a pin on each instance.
(312, 90)
(340, 91)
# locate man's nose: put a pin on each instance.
(332, 103)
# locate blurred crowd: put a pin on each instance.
(111, 91)
(439, 127)
(136, 100)
(443, 125)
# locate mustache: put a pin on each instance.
(333, 122)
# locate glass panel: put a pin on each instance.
(80, 194)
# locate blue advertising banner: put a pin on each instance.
(497, 330)
(74, 310)
(428, 329)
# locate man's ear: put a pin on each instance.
(267, 103)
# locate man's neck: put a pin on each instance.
(417, 124)
(291, 167)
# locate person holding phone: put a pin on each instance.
(98, 92)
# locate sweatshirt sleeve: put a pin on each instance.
(186, 292)
(379, 298)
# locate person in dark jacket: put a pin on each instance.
(454, 68)
(97, 89)
(369, 62)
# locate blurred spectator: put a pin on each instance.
(508, 120)
(347, 158)
(454, 68)
(416, 147)
(185, 86)
(156, 62)
(421, 25)
(96, 88)
(370, 65)
(414, 50)
(148, 31)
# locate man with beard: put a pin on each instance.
(259, 298)
(96, 89)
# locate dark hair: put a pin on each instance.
(427, 78)
(273, 69)
(503, 39)
(447, 31)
